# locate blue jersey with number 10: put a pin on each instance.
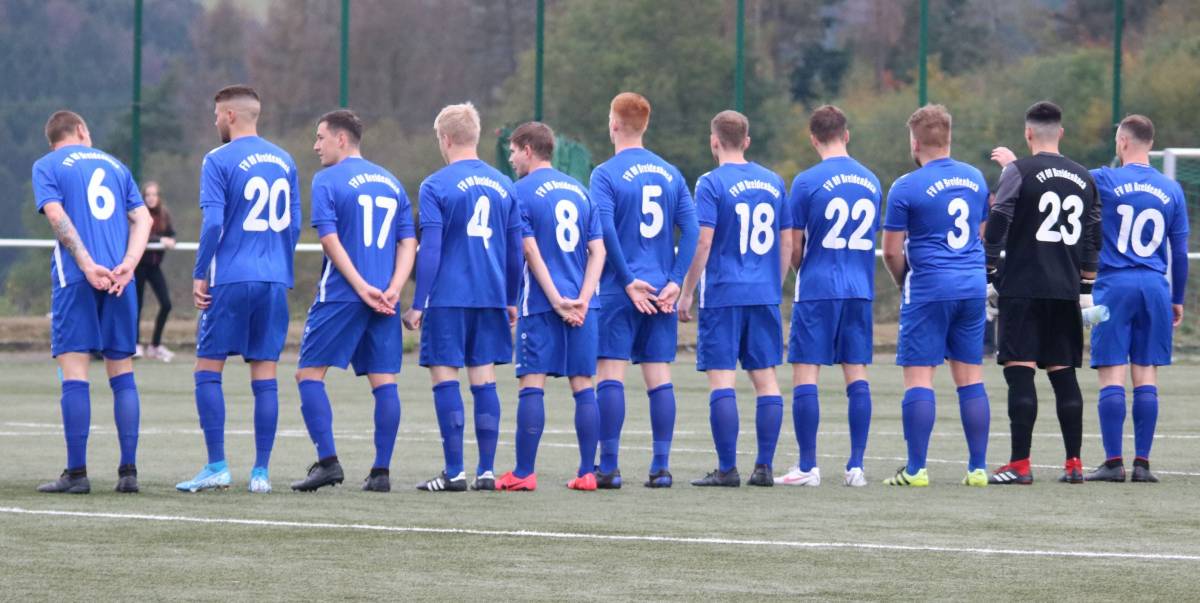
(254, 183)
(1142, 209)
(941, 206)
(370, 212)
(743, 204)
(91, 186)
(556, 212)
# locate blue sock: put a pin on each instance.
(806, 416)
(723, 418)
(859, 411)
(768, 418)
(976, 416)
(1145, 417)
(266, 419)
(919, 410)
(210, 405)
(610, 397)
(448, 402)
(587, 429)
(318, 416)
(487, 425)
(662, 425)
(76, 405)
(126, 413)
(1112, 419)
(531, 420)
(387, 423)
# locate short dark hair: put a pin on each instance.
(535, 135)
(344, 120)
(827, 124)
(732, 129)
(235, 91)
(1044, 113)
(61, 125)
(1139, 127)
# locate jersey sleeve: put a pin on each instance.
(404, 217)
(133, 197)
(324, 216)
(430, 205)
(526, 219)
(594, 230)
(294, 205)
(706, 202)
(786, 221)
(1092, 234)
(895, 218)
(45, 185)
(689, 231)
(212, 185)
(797, 204)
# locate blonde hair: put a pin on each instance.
(930, 126)
(459, 123)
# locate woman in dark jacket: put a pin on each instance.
(149, 270)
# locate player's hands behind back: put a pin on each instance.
(377, 300)
(200, 295)
(98, 276)
(572, 311)
(685, 307)
(667, 296)
(122, 275)
(412, 319)
(642, 295)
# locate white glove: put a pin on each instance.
(1085, 301)
(993, 302)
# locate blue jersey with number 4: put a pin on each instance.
(254, 185)
(476, 207)
(1141, 210)
(556, 212)
(370, 212)
(836, 204)
(743, 204)
(941, 206)
(96, 192)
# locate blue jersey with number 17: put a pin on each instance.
(941, 206)
(1142, 210)
(96, 192)
(836, 204)
(254, 183)
(556, 212)
(743, 204)
(370, 212)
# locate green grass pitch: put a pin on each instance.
(1047, 541)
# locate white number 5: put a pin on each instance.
(649, 193)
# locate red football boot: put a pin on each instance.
(585, 482)
(511, 483)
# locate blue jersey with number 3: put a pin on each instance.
(556, 212)
(96, 192)
(743, 204)
(836, 204)
(254, 183)
(941, 206)
(476, 207)
(370, 212)
(1142, 210)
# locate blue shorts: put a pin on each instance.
(631, 335)
(548, 346)
(461, 337)
(1138, 329)
(84, 319)
(931, 332)
(750, 334)
(343, 333)
(245, 319)
(831, 331)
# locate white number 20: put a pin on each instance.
(263, 195)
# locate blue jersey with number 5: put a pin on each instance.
(255, 186)
(556, 212)
(96, 192)
(1142, 210)
(370, 212)
(836, 204)
(743, 204)
(941, 206)
(476, 207)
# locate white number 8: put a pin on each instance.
(567, 229)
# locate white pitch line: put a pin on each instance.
(608, 537)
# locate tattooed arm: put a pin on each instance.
(97, 276)
(139, 235)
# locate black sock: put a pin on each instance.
(1022, 409)
(328, 461)
(1069, 403)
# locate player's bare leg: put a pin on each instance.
(657, 376)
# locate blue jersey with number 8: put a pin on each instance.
(556, 212)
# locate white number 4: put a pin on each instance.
(478, 225)
(385, 203)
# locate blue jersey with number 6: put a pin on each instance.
(743, 204)
(556, 212)
(370, 212)
(941, 206)
(476, 207)
(96, 192)
(1142, 210)
(836, 204)
(254, 184)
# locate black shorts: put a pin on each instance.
(1046, 331)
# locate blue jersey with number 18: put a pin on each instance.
(254, 184)
(556, 212)
(941, 206)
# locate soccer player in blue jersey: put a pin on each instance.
(835, 208)
(79, 190)
(933, 250)
(250, 198)
(557, 332)
(642, 200)
(364, 219)
(741, 259)
(468, 278)
(1143, 211)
